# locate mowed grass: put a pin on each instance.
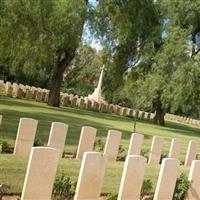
(13, 168)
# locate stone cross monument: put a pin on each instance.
(96, 95)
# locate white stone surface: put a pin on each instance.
(135, 145)
(132, 178)
(112, 144)
(191, 152)
(25, 136)
(91, 176)
(167, 179)
(156, 150)
(175, 148)
(40, 174)
(96, 95)
(194, 177)
(86, 141)
(57, 136)
(8, 88)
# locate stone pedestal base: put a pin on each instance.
(96, 96)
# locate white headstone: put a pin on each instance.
(40, 174)
(194, 177)
(57, 136)
(25, 136)
(167, 179)
(86, 141)
(132, 178)
(91, 176)
(112, 144)
(135, 144)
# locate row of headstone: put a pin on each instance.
(43, 164)
(26, 134)
(27, 130)
(87, 140)
(182, 119)
(85, 103)
(41, 95)
(24, 91)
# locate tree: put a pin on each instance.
(186, 91)
(186, 15)
(82, 76)
(171, 84)
(125, 27)
(42, 35)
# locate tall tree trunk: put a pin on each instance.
(159, 117)
(57, 77)
(54, 94)
(62, 64)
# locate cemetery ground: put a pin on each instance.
(13, 168)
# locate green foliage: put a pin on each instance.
(163, 88)
(4, 189)
(123, 25)
(111, 196)
(38, 142)
(187, 102)
(6, 147)
(119, 98)
(83, 75)
(78, 118)
(183, 13)
(63, 188)
(158, 81)
(122, 153)
(99, 145)
(78, 88)
(145, 153)
(182, 186)
(147, 187)
(35, 35)
(84, 72)
(163, 156)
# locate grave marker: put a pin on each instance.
(57, 136)
(175, 148)
(167, 179)
(40, 174)
(86, 141)
(112, 144)
(135, 144)
(91, 176)
(25, 136)
(132, 178)
(156, 150)
(194, 177)
(191, 152)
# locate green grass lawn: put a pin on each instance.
(12, 168)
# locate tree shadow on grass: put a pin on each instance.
(181, 129)
(11, 120)
(13, 102)
(76, 118)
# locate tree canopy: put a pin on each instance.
(41, 37)
(150, 48)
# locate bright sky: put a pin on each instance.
(88, 37)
